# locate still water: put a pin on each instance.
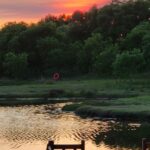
(30, 127)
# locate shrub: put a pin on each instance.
(129, 63)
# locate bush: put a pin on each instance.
(129, 63)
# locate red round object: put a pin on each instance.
(56, 76)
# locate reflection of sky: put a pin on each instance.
(30, 127)
(32, 10)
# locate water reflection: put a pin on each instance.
(30, 127)
(125, 135)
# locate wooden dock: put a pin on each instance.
(145, 144)
(52, 146)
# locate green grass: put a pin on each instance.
(85, 88)
(81, 87)
(135, 108)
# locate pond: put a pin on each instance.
(30, 128)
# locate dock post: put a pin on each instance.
(50, 145)
(144, 144)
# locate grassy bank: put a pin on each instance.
(135, 108)
(81, 87)
(73, 88)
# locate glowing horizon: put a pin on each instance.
(31, 11)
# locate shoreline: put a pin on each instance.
(9, 100)
(124, 109)
(95, 108)
(111, 98)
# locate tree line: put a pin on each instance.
(108, 41)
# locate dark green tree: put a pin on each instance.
(9, 34)
(92, 47)
(134, 38)
(15, 65)
(146, 49)
(104, 61)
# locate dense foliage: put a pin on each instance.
(113, 40)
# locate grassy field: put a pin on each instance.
(85, 87)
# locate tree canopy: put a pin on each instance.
(102, 41)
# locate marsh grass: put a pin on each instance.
(135, 108)
(84, 87)
(75, 88)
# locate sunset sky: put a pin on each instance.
(32, 10)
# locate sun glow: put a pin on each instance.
(83, 5)
(33, 10)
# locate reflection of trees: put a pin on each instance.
(123, 135)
